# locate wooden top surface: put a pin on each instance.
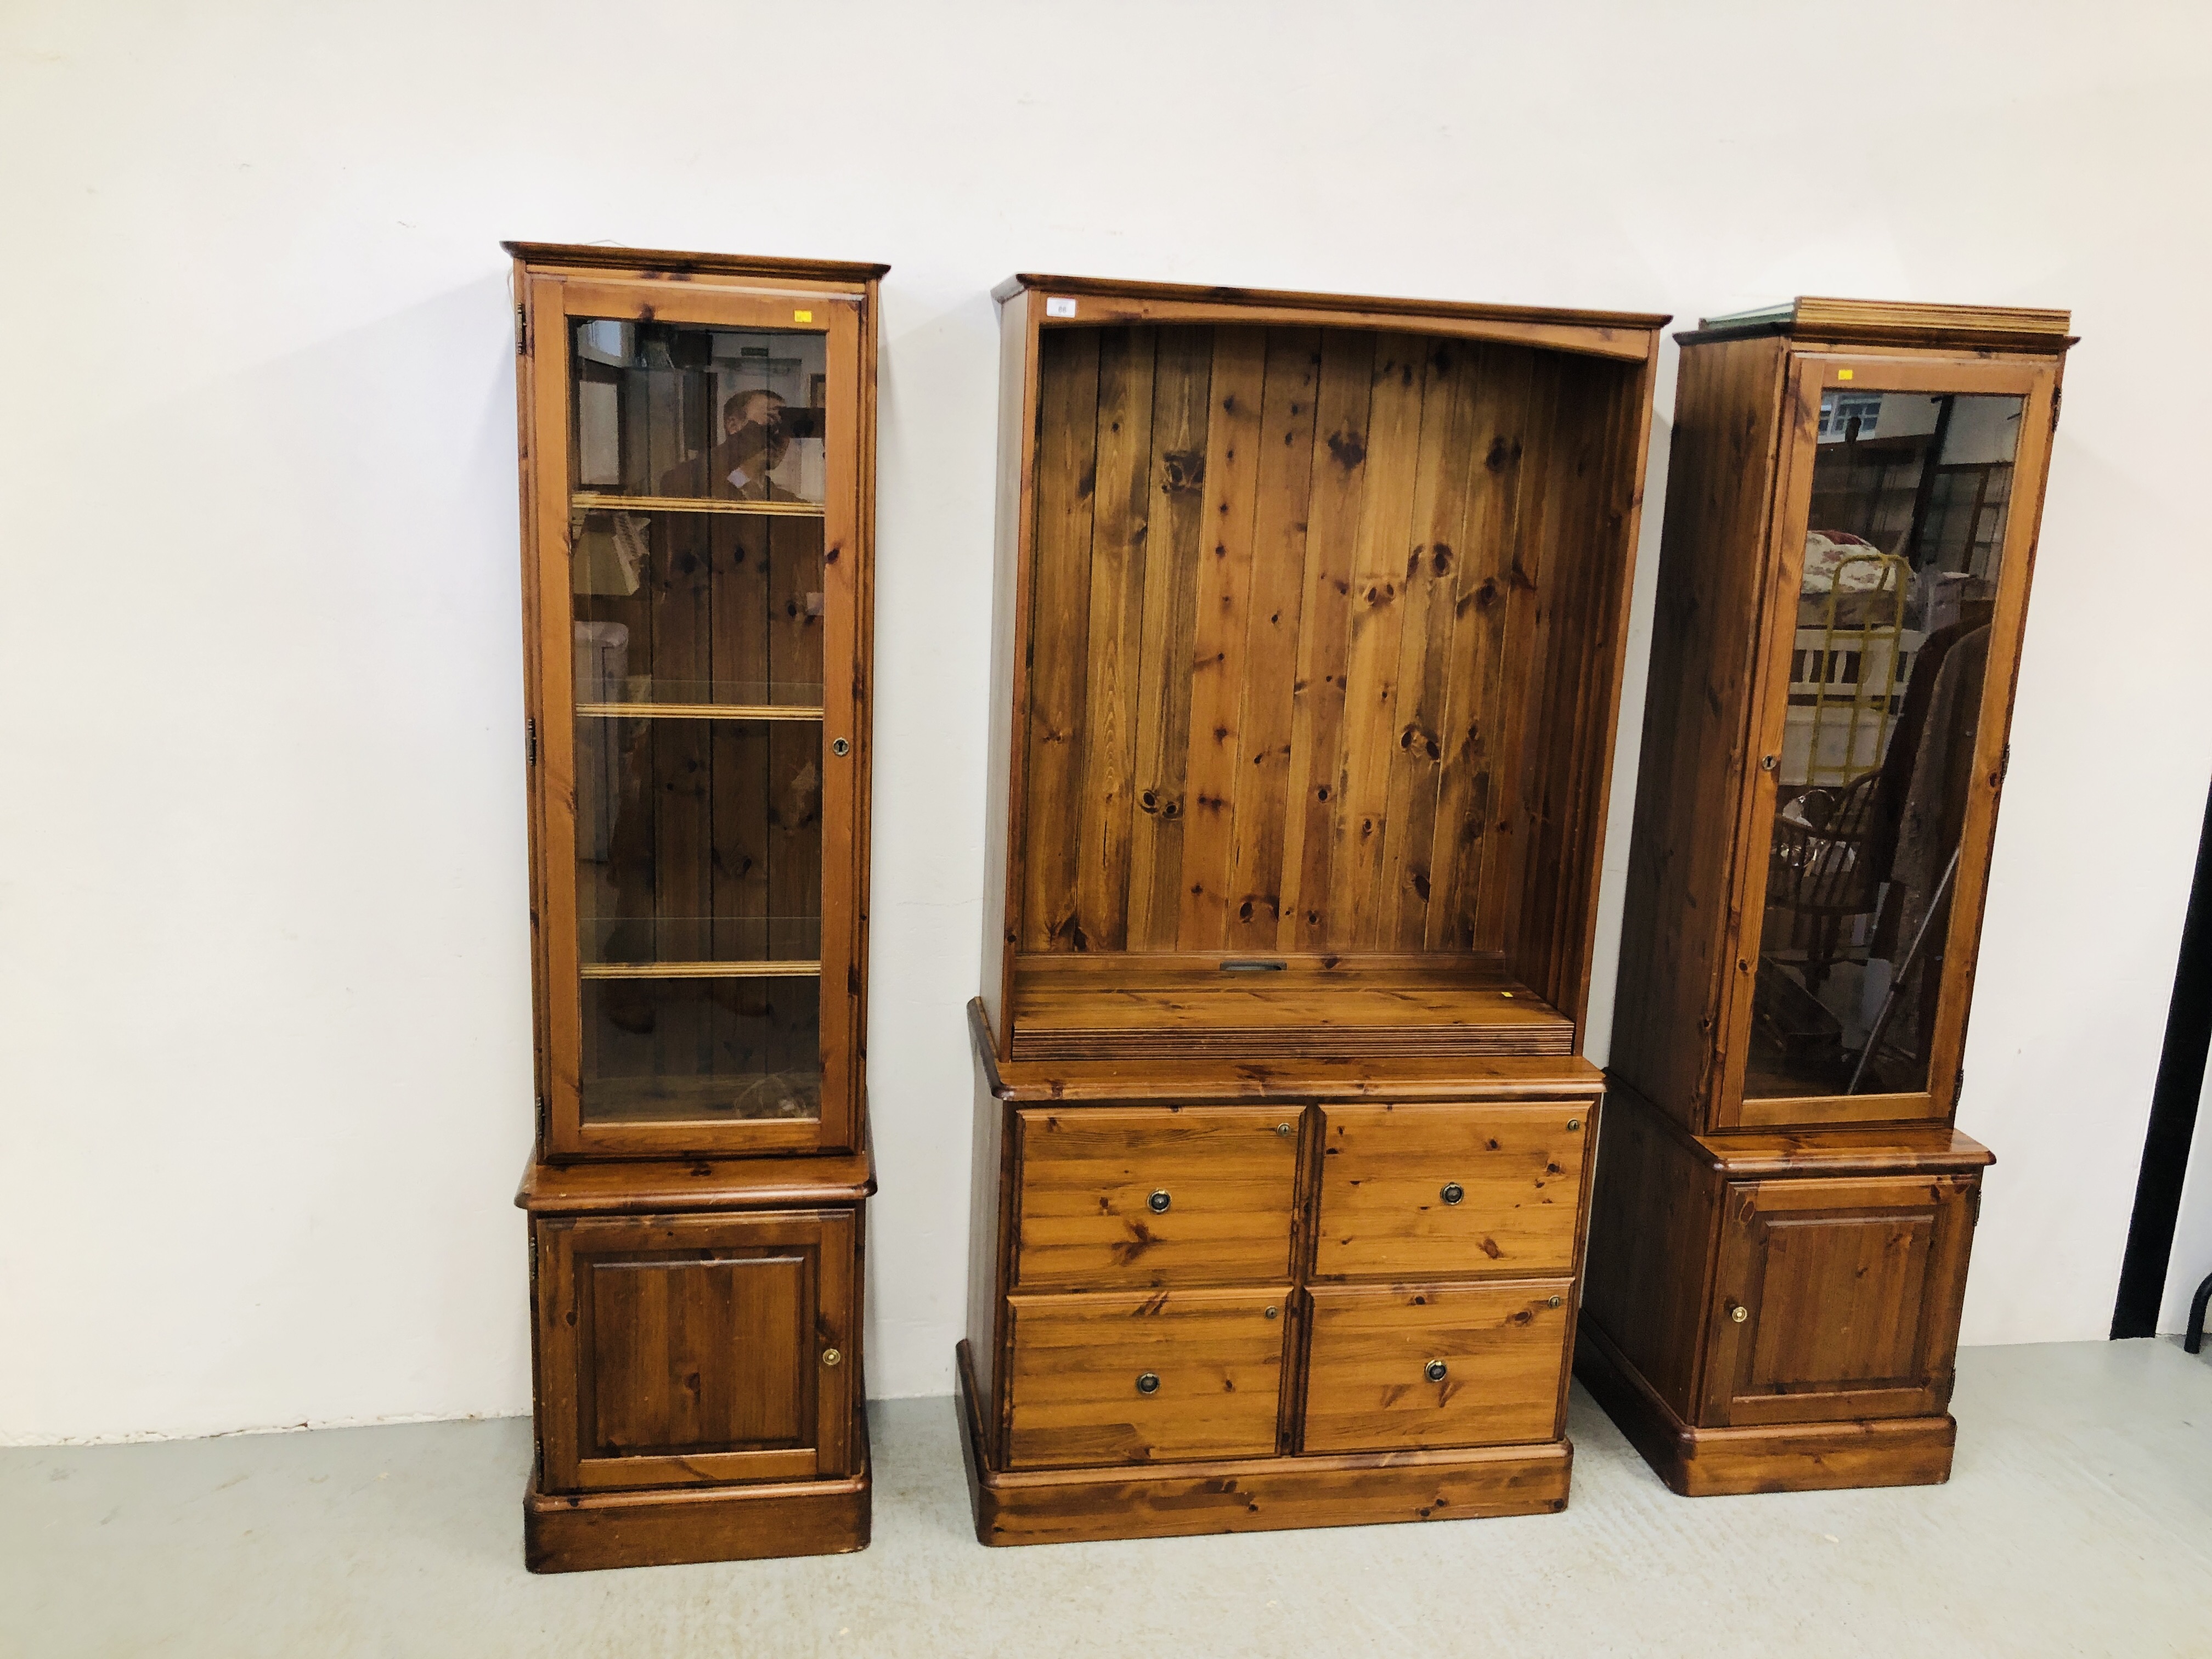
(1894, 322)
(1292, 1078)
(673, 262)
(651, 1187)
(1267, 298)
(1892, 1149)
(1072, 991)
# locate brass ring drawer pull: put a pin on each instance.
(1159, 1201)
(1149, 1382)
(1434, 1371)
(1453, 1192)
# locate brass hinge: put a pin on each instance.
(541, 1122)
(2058, 395)
(1957, 1088)
(2004, 766)
(521, 329)
(530, 742)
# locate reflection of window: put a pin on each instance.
(1839, 409)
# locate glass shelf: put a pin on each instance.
(593, 501)
(697, 711)
(700, 970)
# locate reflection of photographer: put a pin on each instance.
(757, 436)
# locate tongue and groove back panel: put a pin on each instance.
(1323, 635)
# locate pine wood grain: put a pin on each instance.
(1316, 782)
(1218, 637)
(1503, 1348)
(1270, 654)
(1065, 475)
(1121, 518)
(1086, 1180)
(1182, 401)
(1519, 1171)
(1076, 1362)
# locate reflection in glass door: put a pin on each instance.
(1909, 498)
(696, 519)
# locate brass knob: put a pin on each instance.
(1452, 1192)
(1149, 1382)
(1282, 1128)
(1552, 1302)
(841, 747)
(1274, 1312)
(1434, 1371)
(1574, 1123)
(1159, 1202)
(831, 1357)
(1739, 1313)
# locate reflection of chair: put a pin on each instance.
(1819, 868)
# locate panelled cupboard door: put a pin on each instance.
(694, 454)
(1166, 1375)
(678, 1351)
(1906, 507)
(1412, 1191)
(1837, 1299)
(1405, 1366)
(1133, 1195)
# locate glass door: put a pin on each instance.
(1905, 521)
(695, 452)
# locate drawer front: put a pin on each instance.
(1124, 1378)
(1372, 1382)
(1146, 1195)
(1416, 1192)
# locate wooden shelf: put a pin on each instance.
(736, 1096)
(700, 970)
(1139, 1007)
(698, 711)
(592, 500)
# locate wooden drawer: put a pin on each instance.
(1423, 1191)
(1143, 1195)
(1504, 1350)
(1078, 1390)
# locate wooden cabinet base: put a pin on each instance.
(1899, 1451)
(1260, 1494)
(585, 1532)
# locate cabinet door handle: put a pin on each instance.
(831, 1357)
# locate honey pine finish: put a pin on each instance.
(1307, 642)
(1783, 1211)
(698, 437)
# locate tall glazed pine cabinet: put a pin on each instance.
(697, 457)
(1784, 1209)
(1307, 645)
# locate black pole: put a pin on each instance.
(2173, 1112)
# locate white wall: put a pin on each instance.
(264, 1021)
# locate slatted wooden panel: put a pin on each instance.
(1291, 639)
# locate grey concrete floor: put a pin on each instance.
(2078, 1521)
